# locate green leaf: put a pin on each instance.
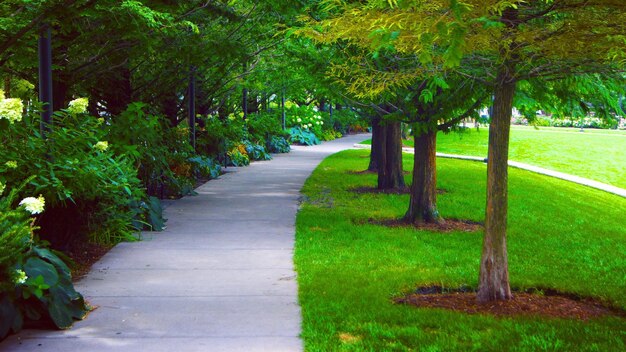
(37, 268)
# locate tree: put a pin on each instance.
(503, 42)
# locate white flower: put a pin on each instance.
(11, 109)
(34, 205)
(101, 146)
(78, 106)
(19, 277)
(321, 122)
(298, 120)
(310, 125)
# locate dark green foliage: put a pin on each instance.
(302, 136)
(256, 151)
(206, 167)
(278, 145)
(35, 283)
(262, 126)
(47, 293)
(80, 178)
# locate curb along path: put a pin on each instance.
(563, 176)
(219, 278)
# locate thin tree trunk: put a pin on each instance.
(7, 86)
(376, 149)
(390, 173)
(423, 203)
(494, 272)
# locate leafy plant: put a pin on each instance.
(302, 136)
(278, 145)
(35, 284)
(256, 151)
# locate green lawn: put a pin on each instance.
(595, 154)
(561, 236)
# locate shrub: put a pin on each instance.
(302, 136)
(256, 151)
(35, 284)
(278, 145)
(80, 175)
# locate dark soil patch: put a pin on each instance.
(84, 255)
(547, 303)
(374, 190)
(448, 225)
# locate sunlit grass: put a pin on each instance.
(561, 236)
(595, 154)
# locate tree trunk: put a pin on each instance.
(7, 86)
(390, 173)
(170, 108)
(376, 149)
(60, 89)
(494, 271)
(423, 203)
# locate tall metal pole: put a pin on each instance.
(45, 78)
(282, 105)
(192, 108)
(330, 111)
(244, 103)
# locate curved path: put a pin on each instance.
(219, 278)
(563, 176)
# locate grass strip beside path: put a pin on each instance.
(561, 236)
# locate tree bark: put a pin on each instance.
(423, 203)
(390, 173)
(376, 149)
(494, 272)
(7, 86)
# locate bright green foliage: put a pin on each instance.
(561, 236)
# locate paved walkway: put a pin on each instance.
(219, 278)
(563, 176)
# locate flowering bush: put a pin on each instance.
(34, 282)
(11, 109)
(78, 174)
(306, 118)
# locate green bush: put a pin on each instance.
(278, 145)
(256, 151)
(348, 121)
(80, 175)
(302, 136)
(35, 284)
(263, 126)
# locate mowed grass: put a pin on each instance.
(599, 155)
(561, 236)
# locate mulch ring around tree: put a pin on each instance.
(374, 190)
(547, 303)
(449, 225)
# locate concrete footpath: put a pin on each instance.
(219, 278)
